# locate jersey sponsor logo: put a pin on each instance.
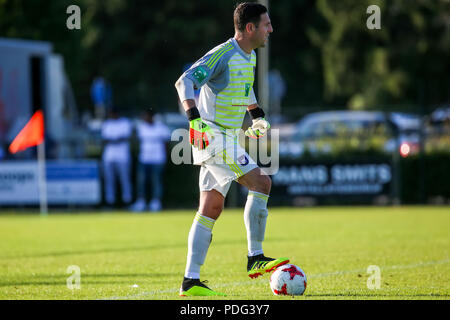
(200, 74)
(239, 102)
(247, 89)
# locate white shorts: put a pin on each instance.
(219, 171)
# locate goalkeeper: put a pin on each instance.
(225, 75)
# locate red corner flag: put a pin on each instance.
(31, 135)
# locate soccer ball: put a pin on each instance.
(289, 280)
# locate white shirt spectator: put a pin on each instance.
(152, 137)
(115, 129)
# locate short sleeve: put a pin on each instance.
(209, 66)
(104, 130)
(127, 128)
(166, 134)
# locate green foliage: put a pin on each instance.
(323, 48)
(46, 21)
(437, 138)
(367, 69)
(142, 47)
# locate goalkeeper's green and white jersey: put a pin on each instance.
(225, 75)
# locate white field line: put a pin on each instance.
(251, 282)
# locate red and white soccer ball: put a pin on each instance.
(288, 280)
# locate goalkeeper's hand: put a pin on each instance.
(200, 134)
(258, 129)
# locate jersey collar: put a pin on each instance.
(242, 52)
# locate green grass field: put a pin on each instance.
(334, 246)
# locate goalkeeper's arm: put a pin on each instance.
(198, 130)
(185, 89)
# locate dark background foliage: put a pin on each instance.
(325, 52)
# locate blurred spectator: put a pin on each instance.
(153, 136)
(2, 152)
(116, 132)
(101, 95)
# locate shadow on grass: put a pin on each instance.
(115, 250)
(96, 251)
(87, 279)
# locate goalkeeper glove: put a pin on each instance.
(258, 129)
(260, 125)
(198, 133)
(198, 130)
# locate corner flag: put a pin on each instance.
(31, 135)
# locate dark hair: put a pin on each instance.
(149, 111)
(246, 12)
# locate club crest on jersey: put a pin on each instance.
(247, 89)
(243, 160)
(200, 74)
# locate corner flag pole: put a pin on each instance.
(33, 135)
(42, 176)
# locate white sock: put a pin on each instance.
(255, 218)
(198, 245)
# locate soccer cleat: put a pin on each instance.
(195, 287)
(258, 265)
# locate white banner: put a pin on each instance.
(68, 182)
